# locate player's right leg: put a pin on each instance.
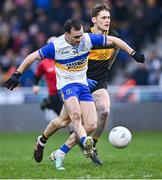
(89, 116)
(59, 122)
(79, 101)
(73, 108)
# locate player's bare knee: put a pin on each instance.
(76, 119)
(75, 116)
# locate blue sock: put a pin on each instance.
(82, 139)
(65, 148)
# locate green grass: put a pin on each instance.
(141, 159)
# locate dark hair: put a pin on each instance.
(72, 23)
(98, 8)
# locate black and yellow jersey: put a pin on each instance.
(100, 60)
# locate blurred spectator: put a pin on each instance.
(28, 75)
(28, 24)
(120, 12)
(160, 79)
(152, 18)
(7, 66)
(154, 68)
(125, 92)
(140, 75)
(43, 4)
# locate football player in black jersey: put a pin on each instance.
(100, 60)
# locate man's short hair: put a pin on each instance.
(98, 8)
(72, 23)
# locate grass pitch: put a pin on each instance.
(141, 159)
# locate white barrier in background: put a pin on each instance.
(128, 94)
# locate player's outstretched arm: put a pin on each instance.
(125, 47)
(28, 61)
(13, 81)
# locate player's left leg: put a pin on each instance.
(60, 122)
(102, 102)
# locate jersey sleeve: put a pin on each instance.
(98, 39)
(47, 51)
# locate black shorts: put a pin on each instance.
(100, 85)
(56, 103)
(52, 102)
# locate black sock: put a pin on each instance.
(95, 141)
(43, 139)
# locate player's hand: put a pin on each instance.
(35, 89)
(91, 83)
(138, 57)
(13, 81)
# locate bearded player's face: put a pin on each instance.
(75, 36)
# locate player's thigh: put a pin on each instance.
(89, 114)
(72, 106)
(102, 99)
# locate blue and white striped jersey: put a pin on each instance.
(71, 61)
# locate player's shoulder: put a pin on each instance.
(60, 39)
(86, 36)
(59, 42)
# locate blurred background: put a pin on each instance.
(135, 89)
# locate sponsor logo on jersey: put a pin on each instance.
(76, 64)
(65, 50)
